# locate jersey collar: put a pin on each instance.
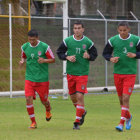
(126, 38)
(36, 45)
(78, 40)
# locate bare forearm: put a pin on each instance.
(49, 60)
(22, 61)
(41, 60)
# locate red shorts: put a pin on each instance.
(42, 88)
(77, 83)
(124, 83)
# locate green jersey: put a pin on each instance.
(34, 71)
(121, 47)
(77, 48)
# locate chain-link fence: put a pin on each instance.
(51, 31)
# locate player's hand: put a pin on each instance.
(71, 58)
(86, 55)
(41, 60)
(114, 59)
(21, 62)
(131, 55)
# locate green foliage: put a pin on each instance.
(102, 117)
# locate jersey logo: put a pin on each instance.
(39, 53)
(125, 50)
(131, 44)
(32, 55)
(84, 46)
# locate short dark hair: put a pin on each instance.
(78, 22)
(123, 23)
(33, 33)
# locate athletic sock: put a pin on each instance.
(128, 115)
(124, 111)
(30, 110)
(75, 104)
(79, 112)
(48, 106)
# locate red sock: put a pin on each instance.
(48, 106)
(75, 104)
(30, 110)
(124, 111)
(128, 115)
(79, 112)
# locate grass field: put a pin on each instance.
(102, 117)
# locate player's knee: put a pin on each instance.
(126, 98)
(29, 99)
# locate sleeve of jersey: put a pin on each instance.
(107, 52)
(61, 51)
(23, 55)
(49, 54)
(138, 50)
(93, 53)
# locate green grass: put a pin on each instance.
(102, 117)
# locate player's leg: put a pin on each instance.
(118, 81)
(80, 110)
(127, 90)
(30, 94)
(72, 92)
(43, 91)
(73, 99)
(81, 89)
(48, 110)
(72, 88)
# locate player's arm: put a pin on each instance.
(107, 52)
(61, 51)
(138, 50)
(137, 54)
(92, 52)
(23, 58)
(49, 57)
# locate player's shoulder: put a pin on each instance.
(88, 39)
(135, 37)
(69, 38)
(114, 37)
(25, 45)
(43, 44)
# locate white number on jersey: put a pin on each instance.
(78, 50)
(125, 50)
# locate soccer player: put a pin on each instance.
(37, 56)
(126, 50)
(78, 50)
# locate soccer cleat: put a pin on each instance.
(128, 123)
(83, 117)
(48, 116)
(33, 125)
(119, 128)
(76, 126)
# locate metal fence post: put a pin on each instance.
(106, 72)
